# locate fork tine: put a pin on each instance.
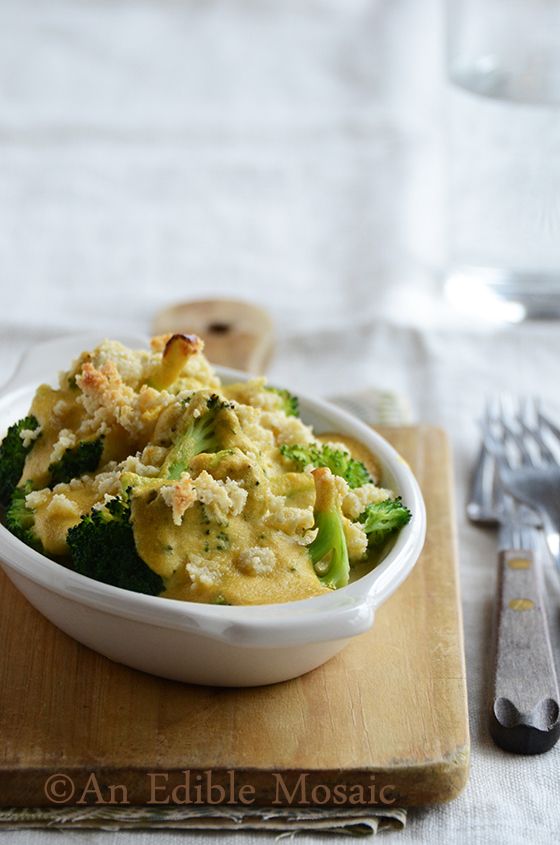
(524, 409)
(509, 421)
(525, 466)
(485, 491)
(497, 438)
(515, 436)
(548, 425)
(481, 506)
(498, 452)
(530, 410)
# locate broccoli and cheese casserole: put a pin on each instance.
(144, 471)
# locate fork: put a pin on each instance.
(527, 458)
(524, 713)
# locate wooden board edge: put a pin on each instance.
(403, 786)
(457, 577)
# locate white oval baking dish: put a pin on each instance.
(200, 643)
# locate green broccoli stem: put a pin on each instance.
(178, 350)
(328, 551)
(199, 436)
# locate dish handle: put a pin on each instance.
(340, 623)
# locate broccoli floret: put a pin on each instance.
(382, 519)
(102, 547)
(20, 519)
(199, 436)
(290, 403)
(337, 460)
(13, 453)
(329, 552)
(77, 461)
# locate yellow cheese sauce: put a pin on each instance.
(54, 517)
(69, 415)
(171, 549)
(55, 411)
(203, 560)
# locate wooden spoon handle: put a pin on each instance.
(236, 334)
(525, 706)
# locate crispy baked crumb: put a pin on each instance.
(288, 519)
(258, 560)
(286, 430)
(28, 435)
(37, 498)
(61, 506)
(220, 498)
(356, 539)
(201, 572)
(179, 496)
(66, 440)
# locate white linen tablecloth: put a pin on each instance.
(287, 152)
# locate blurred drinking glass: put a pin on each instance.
(503, 210)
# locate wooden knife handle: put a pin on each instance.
(525, 706)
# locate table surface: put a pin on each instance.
(291, 154)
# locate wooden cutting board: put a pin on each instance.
(389, 711)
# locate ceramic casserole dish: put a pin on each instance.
(203, 643)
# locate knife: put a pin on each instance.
(525, 700)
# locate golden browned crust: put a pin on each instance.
(176, 352)
(325, 489)
(160, 342)
(180, 497)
